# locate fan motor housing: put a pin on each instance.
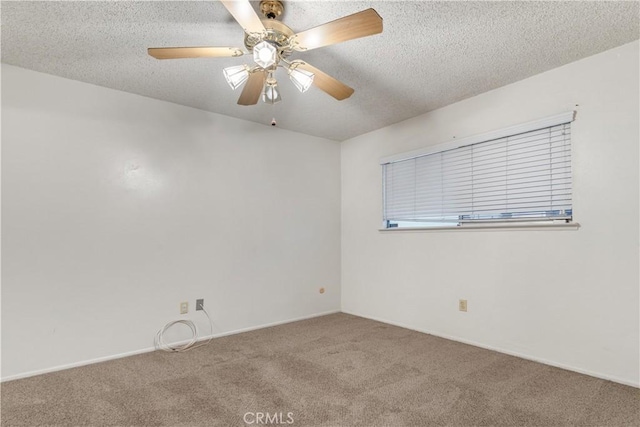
(277, 33)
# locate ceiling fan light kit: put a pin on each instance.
(236, 76)
(301, 79)
(271, 94)
(265, 54)
(271, 42)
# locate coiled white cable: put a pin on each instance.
(160, 344)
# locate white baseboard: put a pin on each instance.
(501, 350)
(282, 322)
(75, 364)
(150, 349)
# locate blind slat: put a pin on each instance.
(521, 176)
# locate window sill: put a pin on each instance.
(487, 227)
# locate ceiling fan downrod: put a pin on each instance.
(271, 9)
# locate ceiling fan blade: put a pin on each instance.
(325, 82)
(193, 52)
(253, 88)
(242, 11)
(361, 24)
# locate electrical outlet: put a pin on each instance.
(462, 305)
(184, 307)
(199, 304)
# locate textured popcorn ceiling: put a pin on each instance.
(430, 54)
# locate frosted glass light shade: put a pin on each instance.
(271, 94)
(265, 54)
(302, 79)
(236, 75)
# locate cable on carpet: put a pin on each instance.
(160, 344)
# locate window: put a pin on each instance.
(519, 174)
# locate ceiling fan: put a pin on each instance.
(271, 43)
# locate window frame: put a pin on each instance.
(517, 224)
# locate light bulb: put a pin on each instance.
(235, 76)
(302, 79)
(271, 94)
(265, 54)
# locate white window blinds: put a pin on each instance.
(523, 176)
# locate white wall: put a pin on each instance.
(116, 207)
(570, 298)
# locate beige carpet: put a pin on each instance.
(337, 370)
